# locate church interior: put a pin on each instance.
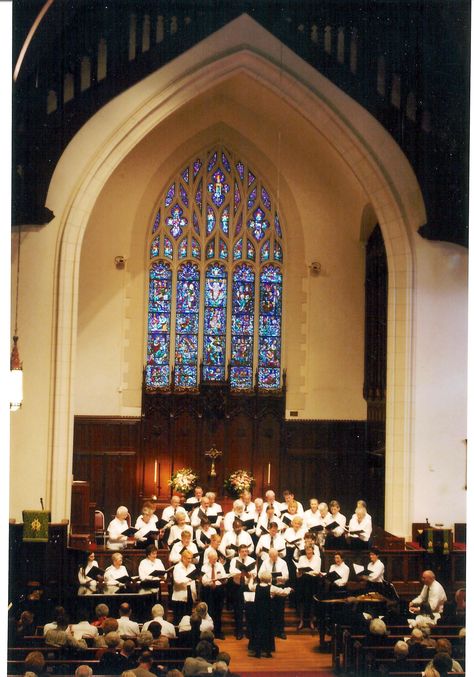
(239, 243)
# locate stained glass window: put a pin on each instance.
(215, 323)
(269, 329)
(241, 357)
(157, 372)
(187, 325)
(216, 234)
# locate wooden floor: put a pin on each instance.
(300, 652)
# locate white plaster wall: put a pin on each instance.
(30, 425)
(440, 384)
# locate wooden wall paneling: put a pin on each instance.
(239, 453)
(267, 453)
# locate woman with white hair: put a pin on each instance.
(360, 528)
(116, 570)
(117, 540)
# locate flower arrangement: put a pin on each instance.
(239, 481)
(183, 481)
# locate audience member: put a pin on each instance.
(159, 640)
(202, 661)
(35, 663)
(145, 663)
(126, 626)
(167, 628)
(83, 671)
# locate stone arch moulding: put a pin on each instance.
(373, 156)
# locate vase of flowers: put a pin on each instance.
(239, 481)
(183, 481)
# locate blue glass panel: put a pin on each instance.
(195, 249)
(196, 167)
(212, 162)
(271, 274)
(225, 162)
(258, 225)
(184, 195)
(156, 222)
(198, 197)
(265, 251)
(266, 198)
(187, 323)
(225, 220)
(183, 248)
(269, 325)
(158, 322)
(210, 250)
(241, 377)
(250, 251)
(170, 195)
(168, 248)
(244, 273)
(218, 188)
(251, 178)
(176, 222)
(242, 324)
(158, 348)
(214, 321)
(252, 198)
(223, 253)
(277, 252)
(157, 377)
(211, 220)
(268, 378)
(240, 169)
(269, 351)
(185, 376)
(155, 247)
(238, 250)
(188, 296)
(270, 298)
(277, 226)
(214, 350)
(160, 296)
(216, 291)
(213, 373)
(159, 312)
(237, 197)
(186, 349)
(185, 175)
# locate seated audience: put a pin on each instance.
(101, 613)
(83, 671)
(444, 646)
(167, 628)
(145, 663)
(83, 629)
(202, 661)
(35, 663)
(159, 640)
(432, 594)
(127, 627)
(111, 662)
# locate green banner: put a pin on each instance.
(35, 525)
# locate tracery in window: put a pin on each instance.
(216, 254)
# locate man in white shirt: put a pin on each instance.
(213, 587)
(125, 625)
(233, 539)
(235, 513)
(249, 505)
(196, 499)
(167, 628)
(214, 509)
(83, 628)
(199, 512)
(270, 500)
(173, 508)
(432, 594)
(271, 540)
(241, 580)
(288, 499)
